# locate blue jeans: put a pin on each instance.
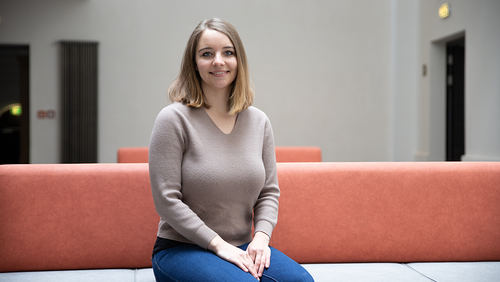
(192, 263)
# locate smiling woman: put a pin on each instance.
(213, 171)
(216, 63)
(186, 88)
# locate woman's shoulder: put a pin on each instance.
(252, 110)
(256, 113)
(175, 109)
(176, 114)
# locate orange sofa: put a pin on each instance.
(283, 154)
(342, 221)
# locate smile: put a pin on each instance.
(219, 73)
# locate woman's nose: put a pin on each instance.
(218, 61)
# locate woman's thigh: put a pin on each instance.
(282, 268)
(192, 263)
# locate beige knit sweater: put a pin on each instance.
(206, 182)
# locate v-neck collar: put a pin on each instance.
(217, 127)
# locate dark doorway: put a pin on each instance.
(455, 99)
(14, 104)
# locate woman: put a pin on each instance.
(213, 170)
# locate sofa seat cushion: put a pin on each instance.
(353, 272)
(459, 271)
(363, 272)
(144, 275)
(97, 275)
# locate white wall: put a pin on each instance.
(321, 68)
(480, 22)
(404, 76)
(343, 75)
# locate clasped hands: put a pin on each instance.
(254, 260)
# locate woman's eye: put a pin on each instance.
(206, 54)
(229, 53)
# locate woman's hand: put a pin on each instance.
(259, 252)
(234, 255)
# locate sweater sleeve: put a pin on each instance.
(266, 208)
(166, 150)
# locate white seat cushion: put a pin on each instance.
(459, 271)
(363, 272)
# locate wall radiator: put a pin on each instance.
(79, 101)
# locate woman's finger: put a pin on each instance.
(260, 263)
(251, 268)
(268, 259)
(233, 254)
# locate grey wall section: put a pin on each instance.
(342, 75)
(479, 22)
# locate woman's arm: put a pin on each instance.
(166, 151)
(266, 208)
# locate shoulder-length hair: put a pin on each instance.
(186, 88)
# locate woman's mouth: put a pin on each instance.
(219, 73)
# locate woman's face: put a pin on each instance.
(216, 61)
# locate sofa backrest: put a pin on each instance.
(283, 154)
(85, 216)
(389, 212)
(132, 155)
(297, 154)
(76, 216)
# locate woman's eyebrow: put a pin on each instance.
(205, 48)
(210, 48)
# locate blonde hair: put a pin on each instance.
(186, 88)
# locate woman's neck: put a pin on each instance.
(218, 100)
(219, 110)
